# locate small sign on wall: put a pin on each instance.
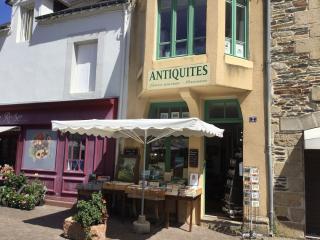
(253, 119)
(193, 158)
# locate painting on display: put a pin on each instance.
(127, 168)
(39, 151)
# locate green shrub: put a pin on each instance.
(37, 189)
(91, 212)
(18, 193)
(15, 181)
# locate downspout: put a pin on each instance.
(268, 101)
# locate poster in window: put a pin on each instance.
(39, 151)
(164, 115)
(175, 115)
(185, 115)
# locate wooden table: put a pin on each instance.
(190, 198)
(150, 193)
(115, 189)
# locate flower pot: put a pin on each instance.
(73, 230)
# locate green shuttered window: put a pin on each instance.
(181, 28)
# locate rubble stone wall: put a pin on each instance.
(295, 29)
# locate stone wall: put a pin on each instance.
(295, 75)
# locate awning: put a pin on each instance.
(9, 128)
(144, 131)
(137, 128)
(312, 138)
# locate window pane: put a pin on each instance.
(182, 19)
(228, 30)
(165, 21)
(76, 153)
(240, 31)
(179, 155)
(199, 46)
(240, 25)
(156, 160)
(216, 111)
(181, 48)
(242, 2)
(200, 16)
(232, 110)
(200, 30)
(165, 50)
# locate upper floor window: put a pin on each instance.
(236, 33)
(26, 23)
(84, 69)
(181, 27)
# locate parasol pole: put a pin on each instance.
(143, 171)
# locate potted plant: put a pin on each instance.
(89, 222)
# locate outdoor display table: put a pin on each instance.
(189, 195)
(117, 189)
(155, 194)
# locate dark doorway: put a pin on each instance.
(8, 148)
(219, 152)
(312, 182)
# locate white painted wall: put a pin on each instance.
(37, 71)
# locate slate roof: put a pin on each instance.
(5, 26)
(81, 6)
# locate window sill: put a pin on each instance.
(236, 61)
(182, 60)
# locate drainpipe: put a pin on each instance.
(268, 101)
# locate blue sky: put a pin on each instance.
(5, 12)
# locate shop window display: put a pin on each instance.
(168, 157)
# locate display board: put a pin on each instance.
(128, 167)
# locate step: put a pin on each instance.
(66, 202)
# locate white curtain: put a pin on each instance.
(26, 23)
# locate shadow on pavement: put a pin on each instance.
(54, 220)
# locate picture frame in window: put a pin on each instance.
(185, 115)
(175, 115)
(128, 168)
(164, 115)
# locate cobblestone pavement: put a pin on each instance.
(45, 223)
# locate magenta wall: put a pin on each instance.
(100, 152)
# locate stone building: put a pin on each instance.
(295, 110)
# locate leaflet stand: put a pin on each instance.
(251, 199)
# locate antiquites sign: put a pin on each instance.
(177, 77)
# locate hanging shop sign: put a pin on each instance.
(177, 77)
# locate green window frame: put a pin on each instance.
(191, 40)
(224, 111)
(237, 30)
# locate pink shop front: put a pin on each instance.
(60, 161)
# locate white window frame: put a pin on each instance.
(78, 81)
(72, 42)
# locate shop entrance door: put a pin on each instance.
(218, 153)
(312, 182)
(8, 148)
